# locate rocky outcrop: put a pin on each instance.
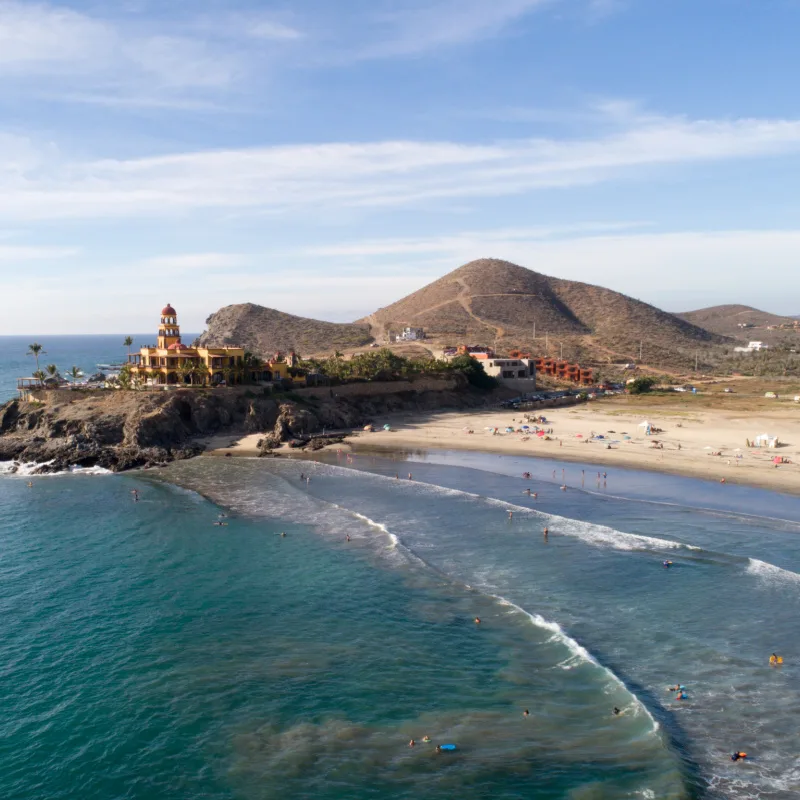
(120, 430)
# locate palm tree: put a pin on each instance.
(52, 370)
(74, 374)
(36, 350)
(127, 343)
(184, 370)
(201, 372)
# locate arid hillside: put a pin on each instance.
(726, 320)
(265, 331)
(490, 301)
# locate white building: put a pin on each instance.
(411, 334)
(752, 347)
(512, 370)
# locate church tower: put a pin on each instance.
(168, 331)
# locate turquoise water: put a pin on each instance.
(147, 653)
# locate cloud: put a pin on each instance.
(46, 44)
(421, 26)
(14, 254)
(369, 175)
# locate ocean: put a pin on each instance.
(147, 652)
(84, 352)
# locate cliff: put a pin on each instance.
(124, 430)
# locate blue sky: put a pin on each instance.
(326, 158)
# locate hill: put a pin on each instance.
(725, 320)
(490, 300)
(265, 331)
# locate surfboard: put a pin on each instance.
(447, 747)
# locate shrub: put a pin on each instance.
(642, 385)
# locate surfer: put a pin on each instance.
(738, 756)
(617, 712)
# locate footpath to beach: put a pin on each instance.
(688, 445)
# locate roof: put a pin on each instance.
(168, 311)
(178, 346)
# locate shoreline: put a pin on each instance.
(688, 441)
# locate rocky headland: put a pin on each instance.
(119, 430)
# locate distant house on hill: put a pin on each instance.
(752, 347)
(411, 334)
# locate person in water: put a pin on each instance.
(667, 564)
(283, 534)
(411, 743)
(617, 712)
(477, 620)
(526, 713)
(347, 537)
(545, 532)
(678, 687)
(775, 659)
(438, 748)
(426, 738)
(738, 756)
(535, 495)
(682, 696)
(220, 524)
(510, 515)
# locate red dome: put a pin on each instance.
(177, 346)
(168, 311)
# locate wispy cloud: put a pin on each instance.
(367, 175)
(417, 27)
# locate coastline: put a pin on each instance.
(688, 441)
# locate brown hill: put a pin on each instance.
(489, 300)
(265, 331)
(726, 319)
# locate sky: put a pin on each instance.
(326, 158)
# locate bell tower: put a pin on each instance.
(169, 331)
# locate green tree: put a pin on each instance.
(36, 350)
(125, 378)
(52, 371)
(202, 373)
(128, 342)
(642, 385)
(474, 371)
(74, 374)
(184, 370)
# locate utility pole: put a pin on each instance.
(695, 360)
(562, 351)
(641, 345)
(534, 330)
(545, 344)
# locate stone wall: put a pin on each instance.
(381, 388)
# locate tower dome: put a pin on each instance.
(168, 311)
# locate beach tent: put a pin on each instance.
(765, 440)
(387, 427)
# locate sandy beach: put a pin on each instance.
(687, 446)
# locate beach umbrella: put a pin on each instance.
(708, 448)
(579, 436)
(644, 424)
(526, 427)
(540, 433)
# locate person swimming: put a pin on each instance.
(438, 748)
(426, 738)
(678, 687)
(526, 713)
(616, 711)
(545, 532)
(682, 696)
(738, 756)
(220, 524)
(283, 535)
(775, 659)
(477, 620)
(667, 564)
(411, 743)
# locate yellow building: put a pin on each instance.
(172, 362)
